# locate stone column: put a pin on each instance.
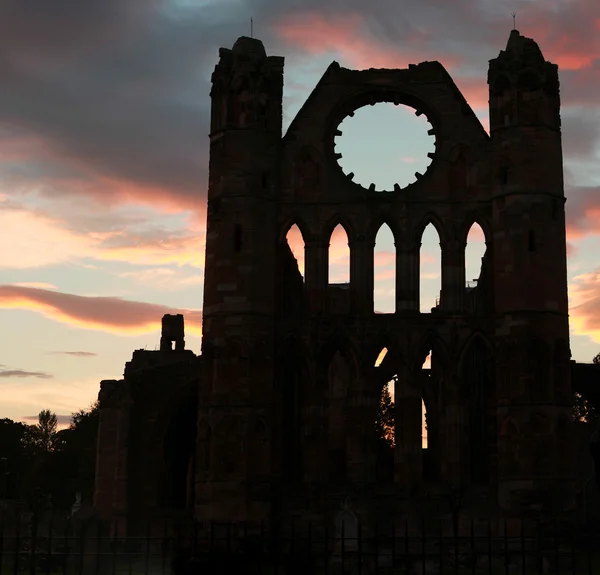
(407, 277)
(106, 458)
(321, 283)
(312, 275)
(451, 430)
(408, 456)
(121, 475)
(453, 275)
(360, 421)
(361, 276)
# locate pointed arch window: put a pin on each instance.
(384, 272)
(430, 270)
(339, 256)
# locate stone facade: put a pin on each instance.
(285, 390)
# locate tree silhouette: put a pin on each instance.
(384, 422)
(583, 410)
(40, 437)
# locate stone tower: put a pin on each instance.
(529, 270)
(235, 419)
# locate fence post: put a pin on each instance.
(326, 558)
(1, 539)
(18, 543)
(423, 546)
(473, 549)
(506, 555)
(441, 543)
(49, 562)
(359, 537)
(489, 529)
(33, 543)
(66, 548)
(164, 547)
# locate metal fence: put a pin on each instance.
(57, 545)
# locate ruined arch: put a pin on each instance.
(433, 219)
(475, 337)
(288, 224)
(385, 340)
(339, 342)
(482, 221)
(377, 223)
(430, 342)
(335, 220)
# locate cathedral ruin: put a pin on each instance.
(275, 418)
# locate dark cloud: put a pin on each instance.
(581, 133)
(21, 373)
(114, 94)
(74, 353)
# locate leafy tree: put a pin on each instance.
(384, 422)
(83, 438)
(40, 437)
(71, 465)
(583, 410)
(13, 456)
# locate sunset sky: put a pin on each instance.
(104, 108)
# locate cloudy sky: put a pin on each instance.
(103, 159)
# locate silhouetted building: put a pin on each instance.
(276, 418)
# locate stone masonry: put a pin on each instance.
(275, 419)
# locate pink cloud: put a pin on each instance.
(427, 258)
(108, 314)
(582, 212)
(385, 275)
(346, 35)
(384, 258)
(475, 234)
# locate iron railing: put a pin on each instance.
(53, 545)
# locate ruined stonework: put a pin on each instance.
(286, 389)
(296, 356)
(145, 458)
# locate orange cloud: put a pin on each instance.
(165, 279)
(38, 240)
(42, 285)
(109, 314)
(584, 305)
